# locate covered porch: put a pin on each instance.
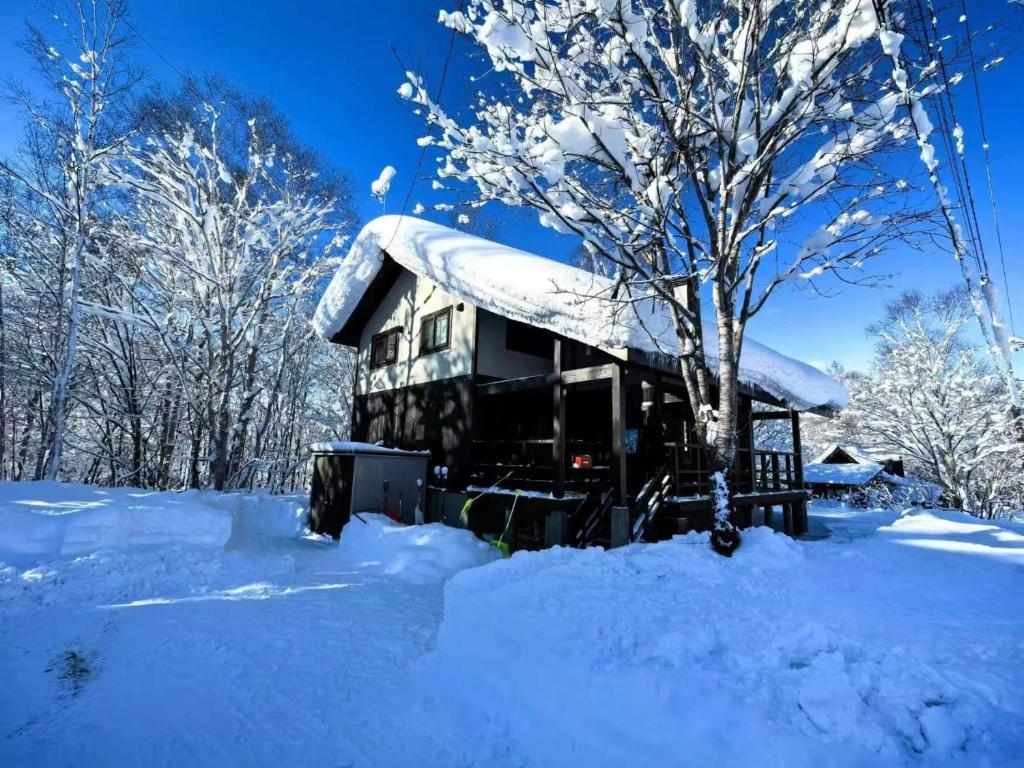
(614, 438)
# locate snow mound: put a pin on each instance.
(564, 299)
(416, 553)
(40, 520)
(958, 532)
(669, 654)
(264, 516)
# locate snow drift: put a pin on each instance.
(899, 646)
(564, 299)
(413, 553)
(667, 654)
(46, 519)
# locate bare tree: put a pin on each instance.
(935, 400)
(224, 262)
(710, 153)
(84, 62)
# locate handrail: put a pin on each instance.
(649, 499)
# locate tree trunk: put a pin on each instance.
(26, 435)
(196, 447)
(3, 387)
(60, 389)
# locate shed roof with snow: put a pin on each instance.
(852, 454)
(541, 292)
(854, 474)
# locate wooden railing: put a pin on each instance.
(687, 463)
(530, 462)
(774, 470)
(649, 502)
(768, 471)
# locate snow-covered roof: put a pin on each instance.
(347, 446)
(858, 453)
(841, 474)
(548, 294)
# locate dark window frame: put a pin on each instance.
(427, 325)
(526, 339)
(382, 338)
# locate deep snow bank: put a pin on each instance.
(787, 654)
(40, 520)
(413, 553)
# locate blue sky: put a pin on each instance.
(332, 71)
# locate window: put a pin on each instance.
(435, 331)
(384, 348)
(520, 337)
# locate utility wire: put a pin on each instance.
(988, 163)
(948, 123)
(423, 149)
(152, 47)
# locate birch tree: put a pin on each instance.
(84, 63)
(708, 153)
(229, 258)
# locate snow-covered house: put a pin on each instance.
(865, 477)
(513, 371)
(855, 454)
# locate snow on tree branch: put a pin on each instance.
(687, 145)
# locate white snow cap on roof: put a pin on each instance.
(841, 474)
(348, 446)
(548, 294)
(858, 453)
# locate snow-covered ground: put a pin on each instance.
(200, 629)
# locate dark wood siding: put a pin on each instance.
(331, 493)
(436, 416)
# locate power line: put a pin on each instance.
(948, 124)
(960, 171)
(423, 149)
(152, 47)
(988, 164)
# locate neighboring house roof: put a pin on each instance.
(842, 474)
(859, 454)
(548, 294)
(914, 490)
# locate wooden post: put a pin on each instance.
(619, 434)
(748, 409)
(620, 533)
(556, 528)
(798, 456)
(776, 485)
(558, 426)
(799, 518)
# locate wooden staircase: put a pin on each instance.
(649, 502)
(592, 521)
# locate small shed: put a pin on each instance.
(850, 454)
(833, 479)
(360, 477)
